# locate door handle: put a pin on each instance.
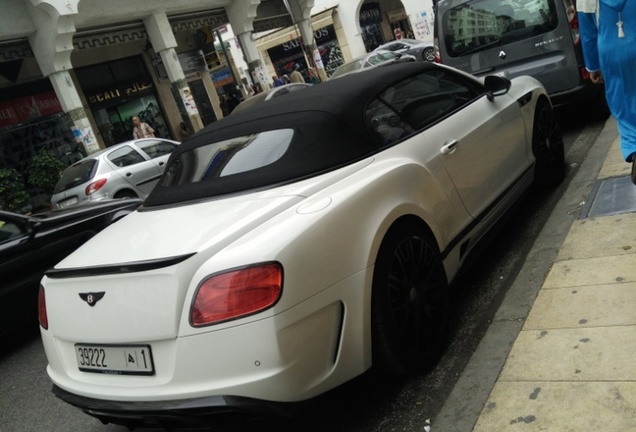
(449, 147)
(128, 174)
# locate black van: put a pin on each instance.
(539, 38)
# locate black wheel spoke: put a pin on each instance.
(548, 147)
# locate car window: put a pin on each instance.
(77, 174)
(381, 56)
(158, 148)
(481, 24)
(125, 156)
(417, 102)
(348, 67)
(9, 230)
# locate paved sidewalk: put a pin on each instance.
(573, 364)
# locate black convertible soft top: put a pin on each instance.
(329, 131)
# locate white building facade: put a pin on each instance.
(74, 72)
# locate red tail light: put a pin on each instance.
(438, 58)
(236, 293)
(573, 20)
(585, 74)
(42, 317)
(94, 187)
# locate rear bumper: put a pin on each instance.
(187, 412)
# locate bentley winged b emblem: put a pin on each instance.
(92, 298)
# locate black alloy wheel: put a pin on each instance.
(429, 54)
(547, 145)
(409, 303)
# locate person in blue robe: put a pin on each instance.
(608, 37)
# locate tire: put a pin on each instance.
(125, 194)
(547, 146)
(409, 303)
(428, 54)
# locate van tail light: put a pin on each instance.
(438, 58)
(236, 293)
(585, 74)
(94, 187)
(573, 21)
(42, 317)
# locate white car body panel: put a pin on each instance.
(325, 231)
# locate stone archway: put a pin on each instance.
(380, 21)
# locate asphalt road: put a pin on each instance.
(367, 403)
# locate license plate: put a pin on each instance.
(68, 202)
(115, 359)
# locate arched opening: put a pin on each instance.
(382, 21)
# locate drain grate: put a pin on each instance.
(610, 196)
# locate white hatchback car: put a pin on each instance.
(126, 170)
(290, 247)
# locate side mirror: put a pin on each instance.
(33, 227)
(496, 86)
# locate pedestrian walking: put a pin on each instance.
(141, 129)
(609, 51)
(296, 76)
(276, 82)
(184, 132)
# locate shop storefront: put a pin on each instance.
(194, 70)
(117, 91)
(371, 25)
(399, 20)
(285, 57)
(31, 119)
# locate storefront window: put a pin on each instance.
(286, 56)
(370, 24)
(115, 123)
(115, 97)
(31, 119)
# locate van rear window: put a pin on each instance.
(478, 25)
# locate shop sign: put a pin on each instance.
(286, 55)
(120, 91)
(370, 14)
(8, 115)
(192, 62)
(29, 107)
(321, 36)
(48, 103)
(221, 77)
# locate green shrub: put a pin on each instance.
(45, 170)
(13, 197)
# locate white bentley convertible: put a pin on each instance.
(292, 246)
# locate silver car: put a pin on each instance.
(419, 49)
(127, 170)
(369, 60)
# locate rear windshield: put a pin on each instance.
(77, 174)
(482, 24)
(229, 157)
(259, 154)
